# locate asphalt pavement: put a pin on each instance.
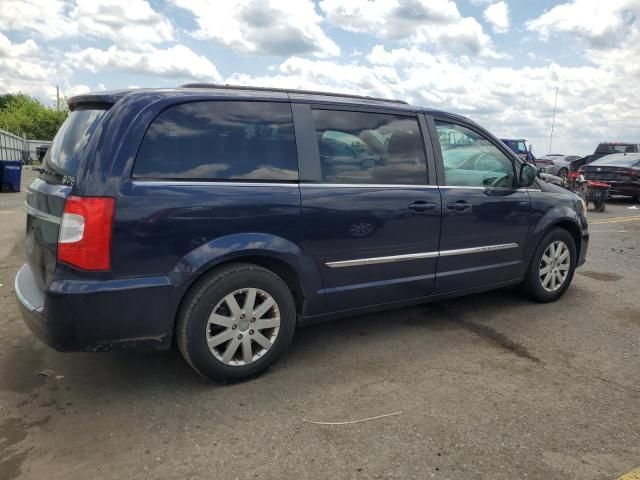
(488, 386)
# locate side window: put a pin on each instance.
(220, 140)
(360, 147)
(471, 160)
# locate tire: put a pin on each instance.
(600, 206)
(6, 188)
(533, 286)
(635, 199)
(562, 173)
(211, 294)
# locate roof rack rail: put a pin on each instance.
(288, 90)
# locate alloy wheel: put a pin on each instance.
(554, 266)
(243, 326)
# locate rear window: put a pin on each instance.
(616, 148)
(220, 140)
(71, 140)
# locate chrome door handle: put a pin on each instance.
(458, 206)
(422, 206)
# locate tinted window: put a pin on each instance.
(357, 147)
(69, 143)
(470, 159)
(220, 141)
(616, 148)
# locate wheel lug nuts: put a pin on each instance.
(242, 316)
(234, 326)
(253, 319)
(251, 332)
(240, 337)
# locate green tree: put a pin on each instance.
(21, 113)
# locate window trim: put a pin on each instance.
(169, 106)
(309, 158)
(516, 162)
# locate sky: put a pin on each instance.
(496, 62)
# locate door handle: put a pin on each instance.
(422, 206)
(459, 206)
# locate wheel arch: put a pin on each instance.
(558, 217)
(296, 268)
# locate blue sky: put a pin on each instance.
(496, 61)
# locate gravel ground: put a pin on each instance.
(487, 386)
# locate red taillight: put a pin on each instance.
(84, 240)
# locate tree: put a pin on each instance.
(21, 113)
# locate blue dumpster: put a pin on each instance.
(10, 174)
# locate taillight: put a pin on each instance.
(84, 240)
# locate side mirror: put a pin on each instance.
(528, 174)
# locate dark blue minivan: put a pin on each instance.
(222, 217)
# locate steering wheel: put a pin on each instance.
(494, 182)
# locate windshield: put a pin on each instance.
(69, 143)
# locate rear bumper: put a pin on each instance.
(624, 188)
(74, 315)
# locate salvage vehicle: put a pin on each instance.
(603, 149)
(621, 171)
(221, 218)
(555, 164)
(520, 147)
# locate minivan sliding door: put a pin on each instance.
(369, 215)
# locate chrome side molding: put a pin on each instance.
(416, 256)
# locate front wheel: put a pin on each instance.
(552, 267)
(235, 322)
(563, 174)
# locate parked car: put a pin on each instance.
(219, 218)
(555, 164)
(520, 147)
(41, 151)
(605, 148)
(554, 180)
(620, 170)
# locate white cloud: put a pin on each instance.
(177, 62)
(264, 27)
(126, 22)
(508, 101)
(600, 24)
(497, 15)
(433, 22)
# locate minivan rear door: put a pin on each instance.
(369, 215)
(46, 195)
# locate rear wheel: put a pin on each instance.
(552, 267)
(236, 322)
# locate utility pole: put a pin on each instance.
(57, 98)
(553, 121)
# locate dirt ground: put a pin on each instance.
(488, 386)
